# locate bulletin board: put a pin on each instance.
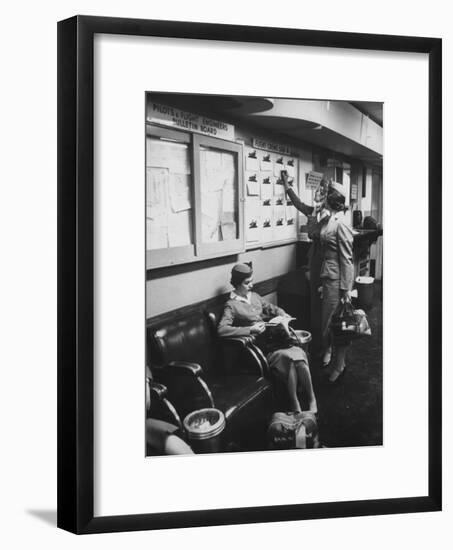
(194, 197)
(218, 186)
(270, 217)
(168, 194)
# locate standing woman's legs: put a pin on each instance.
(339, 363)
(330, 300)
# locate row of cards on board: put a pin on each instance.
(269, 216)
(259, 161)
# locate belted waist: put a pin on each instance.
(330, 254)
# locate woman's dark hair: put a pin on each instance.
(335, 200)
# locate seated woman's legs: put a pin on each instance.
(291, 366)
(305, 386)
(293, 389)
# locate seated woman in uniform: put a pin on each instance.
(245, 314)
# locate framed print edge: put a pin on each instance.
(76, 263)
(75, 281)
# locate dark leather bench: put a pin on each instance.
(201, 370)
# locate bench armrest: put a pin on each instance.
(261, 358)
(240, 356)
(185, 368)
(157, 391)
(160, 407)
(187, 389)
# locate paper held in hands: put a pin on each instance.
(281, 320)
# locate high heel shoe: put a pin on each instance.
(336, 375)
(327, 358)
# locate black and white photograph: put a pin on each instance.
(227, 227)
(264, 273)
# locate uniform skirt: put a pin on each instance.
(280, 360)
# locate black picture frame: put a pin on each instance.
(76, 262)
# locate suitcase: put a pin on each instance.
(291, 430)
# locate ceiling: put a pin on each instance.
(373, 109)
(245, 108)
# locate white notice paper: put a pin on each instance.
(266, 191)
(179, 229)
(228, 200)
(279, 190)
(174, 156)
(157, 180)
(291, 213)
(211, 204)
(253, 188)
(291, 170)
(278, 168)
(213, 175)
(252, 211)
(266, 165)
(157, 232)
(279, 215)
(228, 162)
(179, 186)
(251, 164)
(228, 231)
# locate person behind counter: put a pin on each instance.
(318, 216)
(337, 271)
(244, 314)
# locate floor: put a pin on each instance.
(350, 412)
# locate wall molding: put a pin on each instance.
(214, 304)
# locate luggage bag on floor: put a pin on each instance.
(291, 430)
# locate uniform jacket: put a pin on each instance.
(314, 223)
(337, 241)
(239, 314)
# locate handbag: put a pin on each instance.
(276, 337)
(348, 323)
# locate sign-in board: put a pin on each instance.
(176, 118)
(273, 147)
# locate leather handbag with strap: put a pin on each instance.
(348, 323)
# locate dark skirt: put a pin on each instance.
(280, 360)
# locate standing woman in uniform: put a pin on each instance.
(318, 216)
(337, 270)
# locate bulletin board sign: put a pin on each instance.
(177, 118)
(105, 482)
(280, 148)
